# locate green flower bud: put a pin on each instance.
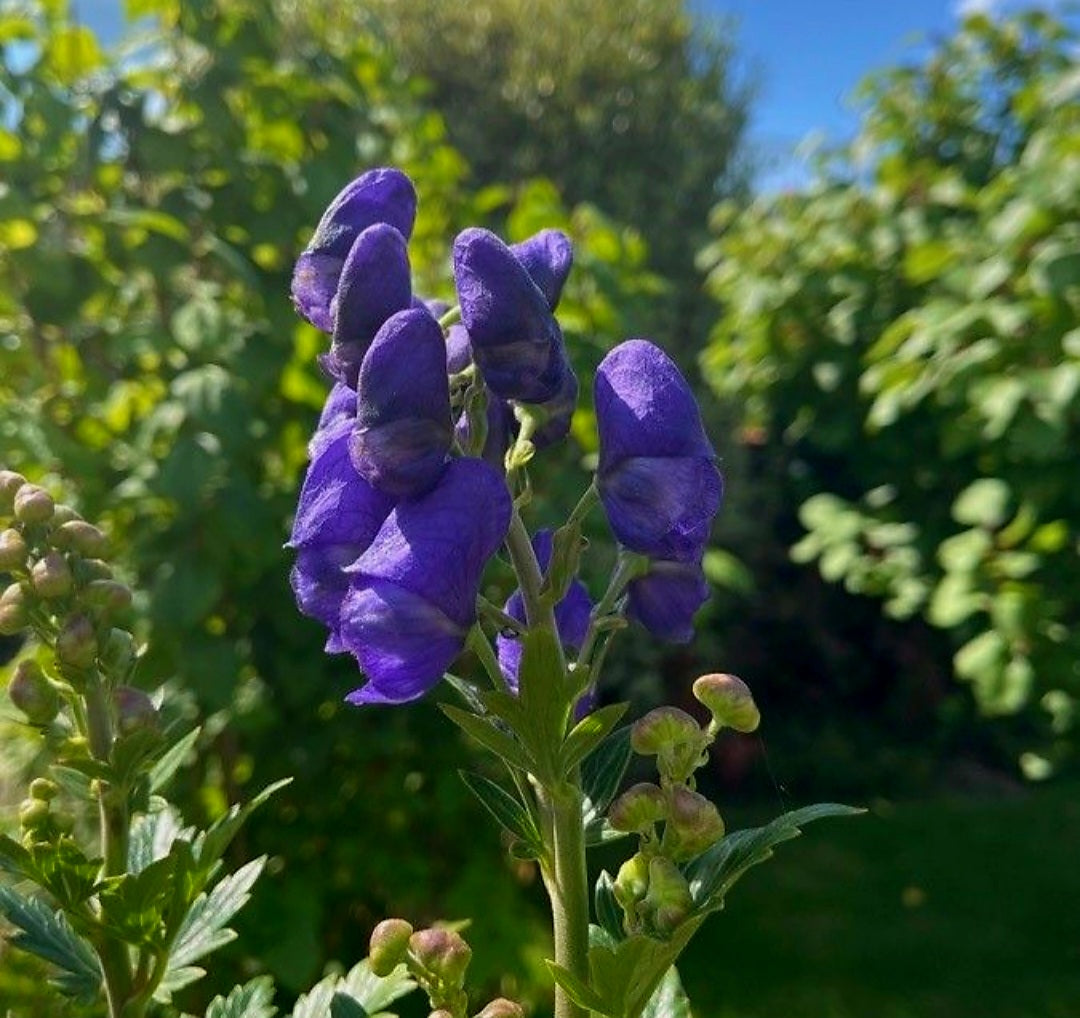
(668, 902)
(134, 709)
(108, 596)
(75, 746)
(10, 483)
(118, 655)
(33, 694)
(13, 551)
(729, 700)
(632, 882)
(33, 814)
(76, 646)
(694, 824)
(80, 537)
(442, 952)
(51, 576)
(389, 943)
(43, 789)
(638, 809)
(13, 610)
(33, 504)
(674, 738)
(500, 1007)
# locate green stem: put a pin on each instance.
(626, 568)
(452, 317)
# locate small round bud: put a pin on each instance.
(500, 1007)
(10, 483)
(674, 738)
(89, 569)
(638, 809)
(76, 745)
(76, 646)
(33, 694)
(33, 814)
(13, 610)
(33, 504)
(668, 901)
(13, 551)
(694, 824)
(80, 537)
(43, 789)
(631, 882)
(442, 952)
(51, 576)
(118, 655)
(729, 700)
(109, 596)
(134, 709)
(389, 943)
(63, 514)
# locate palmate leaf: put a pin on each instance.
(359, 994)
(252, 1000)
(47, 934)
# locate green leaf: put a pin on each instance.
(14, 858)
(490, 736)
(602, 772)
(713, 873)
(133, 905)
(588, 733)
(669, 1000)
(340, 996)
(544, 699)
(252, 1000)
(983, 503)
(172, 759)
(152, 836)
(515, 816)
(48, 935)
(565, 559)
(211, 845)
(608, 911)
(64, 870)
(579, 992)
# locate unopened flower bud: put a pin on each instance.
(500, 1007)
(674, 738)
(389, 942)
(694, 824)
(32, 693)
(13, 613)
(80, 537)
(730, 701)
(33, 814)
(43, 789)
(441, 1013)
(13, 551)
(33, 504)
(118, 654)
(76, 646)
(638, 809)
(51, 576)
(10, 483)
(442, 952)
(631, 882)
(134, 709)
(109, 596)
(75, 746)
(63, 514)
(89, 569)
(668, 901)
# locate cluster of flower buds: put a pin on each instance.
(437, 958)
(673, 821)
(39, 821)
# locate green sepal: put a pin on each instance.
(579, 992)
(486, 732)
(514, 815)
(252, 1000)
(588, 733)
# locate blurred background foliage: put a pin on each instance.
(894, 372)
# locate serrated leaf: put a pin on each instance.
(152, 835)
(359, 988)
(171, 760)
(513, 815)
(669, 1000)
(46, 934)
(588, 733)
(133, 905)
(252, 1000)
(490, 737)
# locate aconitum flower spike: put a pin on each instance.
(337, 518)
(413, 592)
(403, 431)
(378, 196)
(516, 342)
(657, 474)
(571, 614)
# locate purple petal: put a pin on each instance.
(666, 598)
(458, 349)
(516, 341)
(560, 412)
(403, 429)
(547, 256)
(340, 403)
(378, 196)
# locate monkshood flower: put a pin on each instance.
(338, 516)
(571, 614)
(547, 257)
(666, 598)
(413, 591)
(657, 472)
(515, 340)
(403, 430)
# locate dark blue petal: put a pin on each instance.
(378, 196)
(547, 257)
(458, 349)
(403, 432)
(340, 403)
(560, 412)
(666, 598)
(515, 339)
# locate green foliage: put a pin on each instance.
(902, 335)
(358, 994)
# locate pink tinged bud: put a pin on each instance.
(13, 613)
(442, 952)
(33, 504)
(118, 655)
(13, 551)
(638, 809)
(674, 738)
(502, 1008)
(109, 596)
(668, 902)
(89, 569)
(389, 943)
(10, 483)
(80, 537)
(694, 824)
(76, 646)
(441, 1013)
(730, 701)
(51, 576)
(32, 693)
(632, 882)
(134, 710)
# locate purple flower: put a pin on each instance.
(458, 349)
(657, 473)
(547, 257)
(337, 518)
(403, 430)
(666, 598)
(383, 196)
(559, 411)
(571, 614)
(413, 591)
(516, 342)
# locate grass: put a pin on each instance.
(942, 909)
